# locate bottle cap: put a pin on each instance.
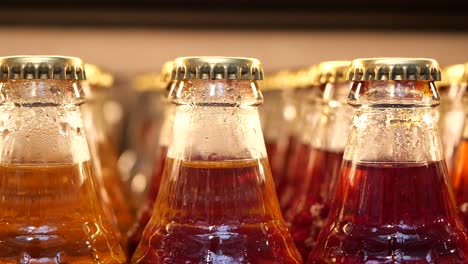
(331, 72)
(41, 67)
(154, 81)
(397, 69)
(98, 77)
(216, 68)
(304, 77)
(277, 81)
(454, 74)
(166, 71)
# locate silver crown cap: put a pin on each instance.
(398, 69)
(41, 67)
(217, 68)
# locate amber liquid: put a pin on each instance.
(392, 213)
(216, 212)
(145, 212)
(50, 214)
(295, 175)
(115, 188)
(312, 205)
(460, 180)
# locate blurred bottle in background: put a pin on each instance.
(146, 120)
(114, 191)
(49, 208)
(276, 120)
(326, 139)
(217, 199)
(460, 165)
(393, 202)
(451, 110)
(304, 91)
(161, 146)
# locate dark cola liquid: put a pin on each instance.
(216, 212)
(460, 180)
(146, 210)
(295, 175)
(392, 213)
(311, 207)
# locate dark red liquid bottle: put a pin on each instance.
(144, 131)
(302, 97)
(311, 203)
(393, 203)
(275, 127)
(217, 201)
(146, 209)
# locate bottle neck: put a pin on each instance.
(41, 122)
(328, 118)
(272, 116)
(93, 115)
(402, 126)
(217, 120)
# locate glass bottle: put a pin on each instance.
(297, 157)
(460, 166)
(146, 209)
(104, 154)
(49, 208)
(146, 121)
(276, 120)
(393, 203)
(217, 200)
(325, 137)
(452, 114)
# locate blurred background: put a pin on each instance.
(138, 36)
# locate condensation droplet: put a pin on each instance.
(64, 128)
(5, 134)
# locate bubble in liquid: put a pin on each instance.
(348, 228)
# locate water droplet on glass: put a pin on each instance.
(64, 128)
(54, 89)
(212, 156)
(5, 134)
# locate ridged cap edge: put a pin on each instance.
(41, 67)
(398, 69)
(217, 68)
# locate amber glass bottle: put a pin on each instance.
(325, 139)
(49, 208)
(393, 203)
(217, 202)
(114, 190)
